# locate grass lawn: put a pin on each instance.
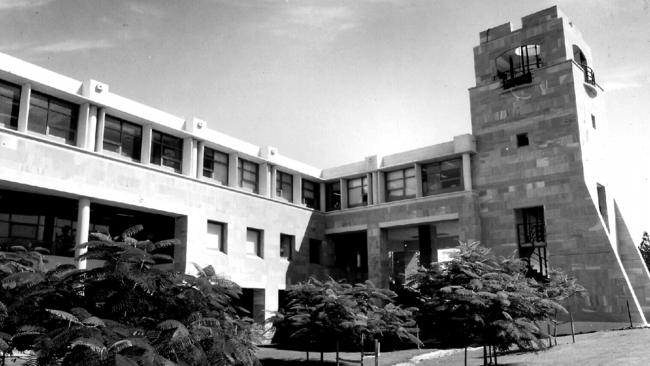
(625, 347)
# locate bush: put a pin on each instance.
(126, 312)
(477, 299)
(324, 313)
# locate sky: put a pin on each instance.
(326, 82)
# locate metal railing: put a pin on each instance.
(590, 76)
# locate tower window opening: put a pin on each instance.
(522, 140)
(513, 66)
(593, 121)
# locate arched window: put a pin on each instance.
(513, 66)
(579, 56)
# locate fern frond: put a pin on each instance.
(131, 231)
(101, 236)
(94, 344)
(94, 321)
(162, 258)
(17, 248)
(41, 250)
(20, 279)
(63, 315)
(165, 243)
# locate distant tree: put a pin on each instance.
(644, 247)
(477, 299)
(327, 312)
(125, 312)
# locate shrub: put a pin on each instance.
(126, 312)
(324, 313)
(477, 299)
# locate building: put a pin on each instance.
(75, 157)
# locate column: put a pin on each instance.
(297, 189)
(371, 189)
(344, 193)
(83, 226)
(273, 183)
(467, 172)
(99, 136)
(419, 190)
(377, 256)
(375, 187)
(145, 155)
(23, 111)
(233, 161)
(189, 157)
(199, 159)
(82, 125)
(323, 198)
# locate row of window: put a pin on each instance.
(217, 233)
(56, 118)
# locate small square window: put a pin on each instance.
(217, 236)
(286, 246)
(254, 242)
(593, 121)
(522, 140)
(314, 251)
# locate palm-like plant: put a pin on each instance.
(124, 312)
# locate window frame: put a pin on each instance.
(522, 139)
(315, 191)
(404, 179)
(331, 202)
(241, 163)
(363, 186)
(222, 245)
(7, 88)
(162, 145)
(49, 100)
(440, 190)
(210, 164)
(283, 186)
(259, 246)
(137, 150)
(288, 252)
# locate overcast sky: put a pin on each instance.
(326, 82)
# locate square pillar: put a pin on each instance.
(418, 181)
(297, 189)
(92, 128)
(467, 172)
(381, 187)
(371, 189)
(145, 155)
(23, 111)
(188, 166)
(344, 193)
(233, 163)
(200, 155)
(264, 179)
(99, 136)
(273, 184)
(378, 265)
(82, 125)
(323, 199)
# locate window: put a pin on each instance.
(442, 176)
(217, 236)
(522, 140)
(284, 185)
(248, 175)
(9, 105)
(254, 244)
(122, 138)
(167, 151)
(602, 203)
(593, 121)
(215, 165)
(311, 194)
(358, 191)
(28, 227)
(531, 240)
(286, 246)
(513, 66)
(52, 117)
(400, 184)
(333, 195)
(314, 251)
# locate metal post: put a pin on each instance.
(573, 336)
(629, 315)
(377, 350)
(548, 327)
(337, 353)
(361, 349)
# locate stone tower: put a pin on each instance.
(543, 187)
